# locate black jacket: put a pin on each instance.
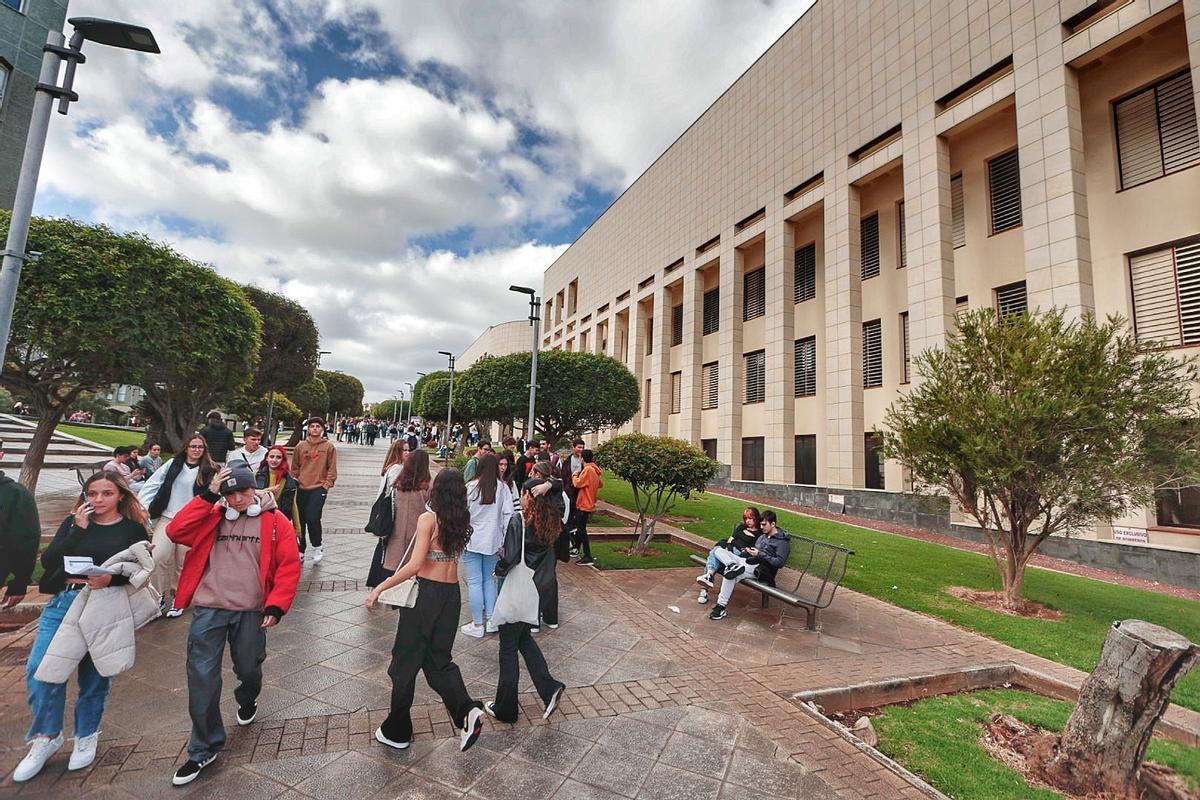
(539, 557)
(20, 533)
(220, 440)
(287, 498)
(740, 538)
(163, 496)
(773, 553)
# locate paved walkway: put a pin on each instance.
(660, 704)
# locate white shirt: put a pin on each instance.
(254, 459)
(488, 522)
(181, 489)
(389, 477)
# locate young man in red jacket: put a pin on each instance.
(241, 573)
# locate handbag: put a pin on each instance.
(518, 600)
(403, 594)
(383, 514)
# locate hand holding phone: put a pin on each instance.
(83, 514)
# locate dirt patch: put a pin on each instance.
(1026, 748)
(994, 601)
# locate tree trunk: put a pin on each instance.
(1014, 577)
(297, 435)
(1104, 741)
(645, 536)
(35, 456)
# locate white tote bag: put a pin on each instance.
(403, 594)
(518, 600)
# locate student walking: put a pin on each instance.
(393, 462)
(587, 485)
(169, 489)
(276, 477)
(219, 438)
(252, 451)
(425, 632)
(20, 534)
(410, 496)
(108, 522)
(535, 530)
(241, 574)
(314, 464)
(491, 506)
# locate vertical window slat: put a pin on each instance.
(905, 357)
(754, 295)
(1004, 189)
(806, 367)
(901, 235)
(712, 311)
(869, 246)
(677, 325)
(1177, 123)
(1155, 301)
(709, 377)
(756, 376)
(1011, 299)
(958, 220)
(872, 342)
(676, 392)
(1187, 267)
(805, 268)
(1156, 131)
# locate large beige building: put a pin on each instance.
(883, 164)
(498, 340)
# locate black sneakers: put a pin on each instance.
(472, 727)
(553, 704)
(734, 572)
(188, 772)
(382, 739)
(718, 612)
(247, 713)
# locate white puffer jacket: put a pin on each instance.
(101, 622)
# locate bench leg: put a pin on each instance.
(810, 618)
(766, 599)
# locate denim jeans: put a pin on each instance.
(48, 701)
(714, 564)
(481, 584)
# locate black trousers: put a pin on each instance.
(581, 534)
(515, 638)
(424, 639)
(310, 503)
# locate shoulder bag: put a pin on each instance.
(383, 514)
(403, 594)
(518, 599)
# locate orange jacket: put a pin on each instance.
(588, 482)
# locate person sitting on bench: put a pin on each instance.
(744, 535)
(761, 562)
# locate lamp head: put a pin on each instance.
(521, 289)
(115, 34)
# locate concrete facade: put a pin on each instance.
(925, 156)
(23, 28)
(498, 340)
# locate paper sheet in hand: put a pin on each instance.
(84, 567)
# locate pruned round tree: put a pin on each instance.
(660, 470)
(1037, 425)
(288, 354)
(345, 392)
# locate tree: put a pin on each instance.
(79, 323)
(288, 355)
(389, 409)
(253, 408)
(578, 392)
(661, 471)
(312, 398)
(430, 395)
(1036, 425)
(345, 392)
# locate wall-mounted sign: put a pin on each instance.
(1138, 535)
(837, 503)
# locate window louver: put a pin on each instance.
(872, 338)
(712, 311)
(754, 294)
(756, 376)
(709, 377)
(677, 325)
(1011, 299)
(806, 367)
(1156, 131)
(805, 263)
(905, 356)
(1004, 186)
(1155, 302)
(869, 246)
(957, 212)
(676, 392)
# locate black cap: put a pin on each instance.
(240, 477)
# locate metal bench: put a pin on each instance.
(822, 567)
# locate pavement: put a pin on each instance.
(662, 703)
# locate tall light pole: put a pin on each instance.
(100, 31)
(535, 319)
(450, 397)
(410, 402)
(395, 407)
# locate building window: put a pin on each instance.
(572, 297)
(549, 308)
(752, 458)
(15, 5)
(1178, 508)
(806, 367)
(676, 391)
(873, 453)
(902, 255)
(754, 295)
(872, 341)
(756, 376)
(677, 325)
(558, 308)
(712, 311)
(709, 446)
(869, 246)
(649, 336)
(806, 459)
(1011, 299)
(646, 400)
(709, 380)
(1166, 295)
(1004, 189)
(1156, 131)
(958, 219)
(905, 356)
(805, 266)
(5, 76)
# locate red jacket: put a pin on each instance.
(195, 526)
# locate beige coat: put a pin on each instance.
(101, 622)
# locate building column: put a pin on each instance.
(637, 350)
(660, 364)
(843, 336)
(729, 359)
(1191, 21)
(779, 451)
(1054, 217)
(692, 352)
(929, 236)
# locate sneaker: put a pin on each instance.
(552, 626)
(703, 598)
(40, 750)
(734, 572)
(473, 630)
(718, 612)
(491, 627)
(84, 752)
(553, 704)
(190, 770)
(471, 729)
(247, 713)
(535, 629)
(585, 561)
(318, 553)
(705, 578)
(162, 606)
(574, 551)
(490, 708)
(379, 737)
(174, 613)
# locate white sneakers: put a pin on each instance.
(40, 750)
(491, 627)
(318, 553)
(473, 630)
(85, 751)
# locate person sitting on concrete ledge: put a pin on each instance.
(761, 562)
(744, 535)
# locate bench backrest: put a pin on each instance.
(822, 567)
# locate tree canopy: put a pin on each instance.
(345, 392)
(430, 394)
(311, 397)
(288, 354)
(1037, 425)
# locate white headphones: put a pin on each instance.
(251, 511)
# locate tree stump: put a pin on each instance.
(1104, 741)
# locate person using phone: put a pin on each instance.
(108, 521)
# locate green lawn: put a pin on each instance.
(915, 575)
(109, 437)
(601, 520)
(604, 551)
(938, 738)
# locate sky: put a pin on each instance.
(392, 165)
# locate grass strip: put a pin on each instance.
(668, 555)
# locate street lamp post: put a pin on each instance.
(535, 319)
(101, 31)
(450, 397)
(404, 421)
